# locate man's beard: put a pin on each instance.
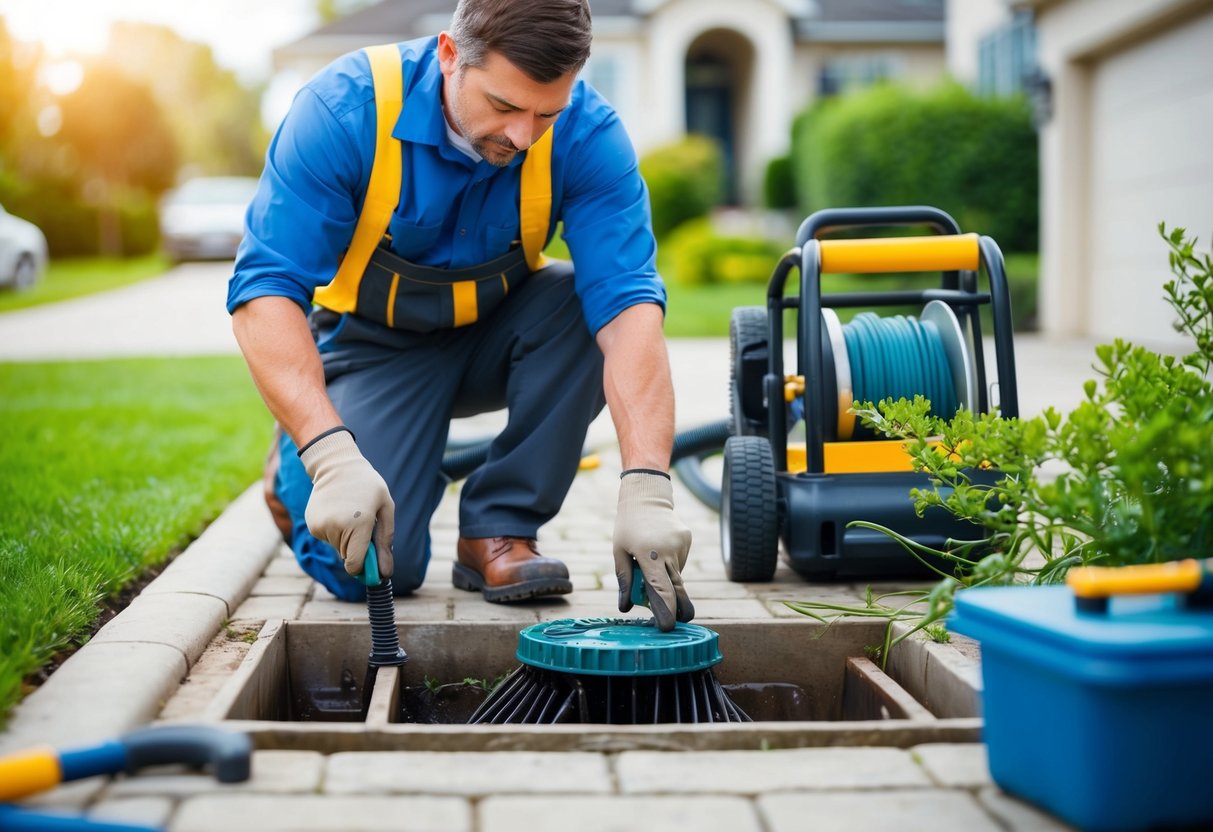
(498, 142)
(482, 143)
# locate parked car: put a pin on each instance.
(22, 252)
(204, 218)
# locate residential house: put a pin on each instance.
(1124, 100)
(737, 70)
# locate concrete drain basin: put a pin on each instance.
(802, 683)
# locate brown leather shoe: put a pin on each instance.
(282, 518)
(508, 569)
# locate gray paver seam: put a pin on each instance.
(612, 761)
(974, 791)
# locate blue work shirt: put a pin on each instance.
(453, 212)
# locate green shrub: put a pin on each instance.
(685, 179)
(779, 184)
(975, 158)
(140, 224)
(72, 226)
(697, 255)
(804, 163)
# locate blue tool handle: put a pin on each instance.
(370, 568)
(640, 595)
(227, 753)
(19, 819)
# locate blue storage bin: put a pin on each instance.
(1104, 719)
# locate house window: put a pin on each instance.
(602, 73)
(852, 72)
(1007, 57)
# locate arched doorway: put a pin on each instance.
(719, 64)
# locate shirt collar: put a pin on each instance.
(421, 118)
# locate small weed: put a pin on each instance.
(486, 685)
(938, 633)
(247, 635)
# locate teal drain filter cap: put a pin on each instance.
(617, 647)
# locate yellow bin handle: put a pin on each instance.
(1094, 585)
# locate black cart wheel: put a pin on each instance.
(749, 518)
(748, 334)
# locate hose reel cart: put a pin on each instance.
(773, 489)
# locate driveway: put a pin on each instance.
(179, 313)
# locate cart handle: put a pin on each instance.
(900, 254)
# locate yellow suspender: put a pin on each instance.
(383, 191)
(535, 202)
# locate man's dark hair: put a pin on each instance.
(546, 39)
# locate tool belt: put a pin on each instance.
(404, 295)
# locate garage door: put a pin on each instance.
(1151, 162)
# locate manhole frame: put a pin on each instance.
(939, 699)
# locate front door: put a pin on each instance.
(710, 110)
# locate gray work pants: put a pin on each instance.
(397, 391)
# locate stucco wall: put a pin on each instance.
(1132, 95)
(967, 22)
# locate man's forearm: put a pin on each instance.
(277, 343)
(639, 391)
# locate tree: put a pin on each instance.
(119, 141)
(215, 120)
(330, 10)
(99, 157)
(18, 69)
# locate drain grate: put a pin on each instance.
(612, 671)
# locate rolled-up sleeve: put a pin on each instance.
(303, 215)
(608, 226)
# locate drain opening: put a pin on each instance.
(314, 673)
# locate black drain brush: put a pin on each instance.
(617, 671)
(385, 641)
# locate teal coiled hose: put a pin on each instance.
(899, 357)
(895, 357)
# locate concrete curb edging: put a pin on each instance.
(121, 678)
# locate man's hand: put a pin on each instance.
(349, 501)
(647, 530)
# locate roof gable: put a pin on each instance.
(414, 18)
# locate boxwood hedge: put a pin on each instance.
(976, 158)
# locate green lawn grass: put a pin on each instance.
(106, 468)
(74, 277)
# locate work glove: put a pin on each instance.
(349, 501)
(649, 533)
